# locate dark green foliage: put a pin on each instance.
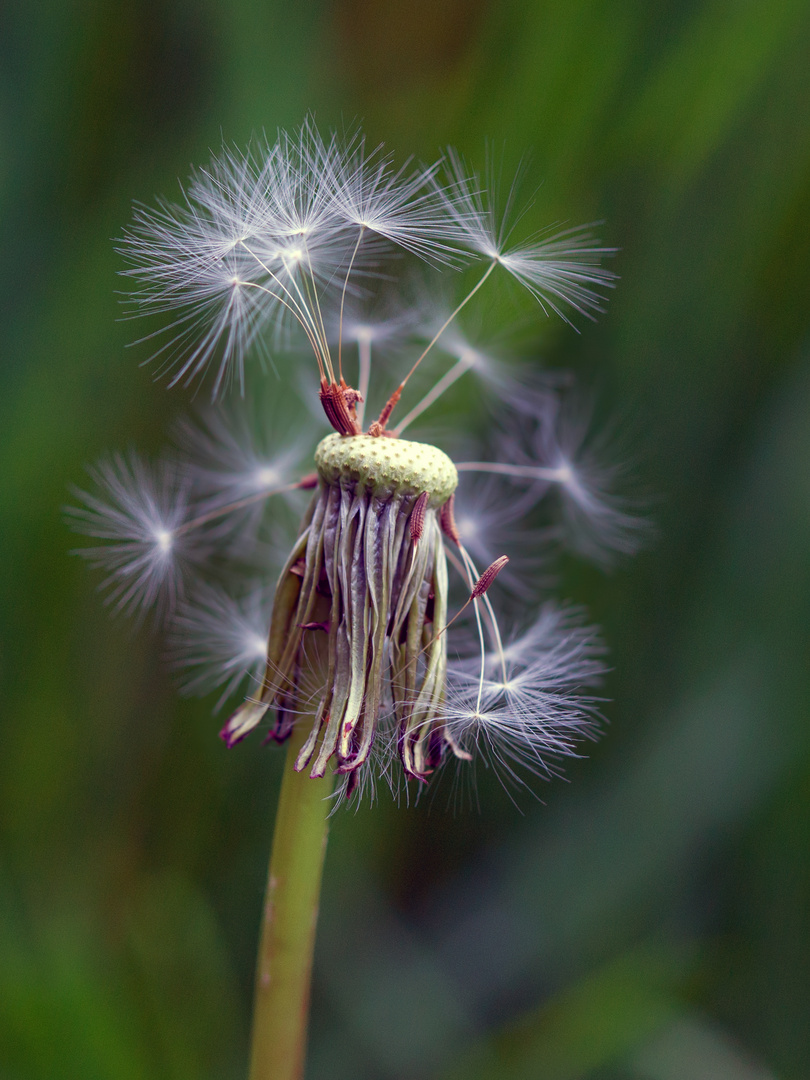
(652, 919)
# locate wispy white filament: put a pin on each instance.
(138, 511)
(560, 269)
(534, 705)
(262, 236)
(220, 640)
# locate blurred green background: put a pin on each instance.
(649, 920)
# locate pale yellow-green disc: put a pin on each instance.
(386, 465)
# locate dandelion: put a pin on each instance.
(380, 654)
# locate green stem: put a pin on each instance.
(290, 915)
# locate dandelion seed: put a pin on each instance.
(560, 269)
(556, 452)
(488, 576)
(534, 709)
(140, 512)
(399, 206)
(220, 640)
(231, 456)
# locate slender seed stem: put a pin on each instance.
(301, 313)
(229, 508)
(310, 336)
(392, 401)
(461, 366)
(494, 628)
(450, 318)
(343, 301)
(561, 474)
(316, 298)
(289, 919)
(364, 376)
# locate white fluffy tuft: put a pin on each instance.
(220, 640)
(531, 705)
(139, 513)
(559, 268)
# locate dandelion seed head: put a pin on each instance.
(294, 242)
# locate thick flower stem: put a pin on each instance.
(289, 918)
